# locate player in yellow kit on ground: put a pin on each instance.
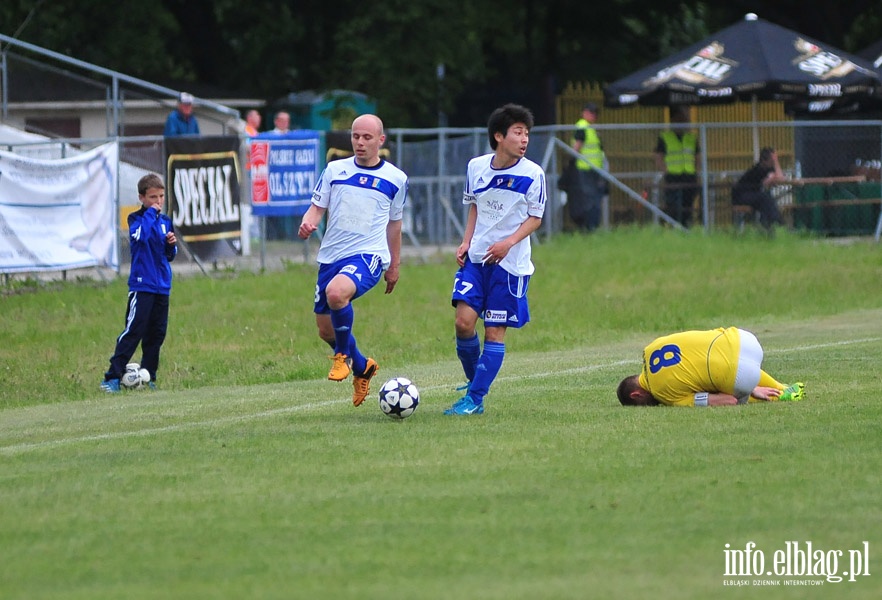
(717, 367)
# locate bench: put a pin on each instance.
(740, 215)
(829, 203)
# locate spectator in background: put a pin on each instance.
(752, 188)
(182, 121)
(676, 156)
(282, 122)
(281, 228)
(586, 194)
(252, 123)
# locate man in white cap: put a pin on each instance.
(182, 121)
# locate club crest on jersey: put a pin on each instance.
(362, 180)
(503, 182)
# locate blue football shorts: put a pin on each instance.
(499, 297)
(364, 270)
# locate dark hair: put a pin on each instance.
(626, 386)
(504, 117)
(149, 181)
(766, 153)
(590, 106)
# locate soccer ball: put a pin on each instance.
(131, 379)
(399, 398)
(145, 376)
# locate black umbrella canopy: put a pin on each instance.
(750, 60)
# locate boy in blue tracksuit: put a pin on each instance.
(153, 246)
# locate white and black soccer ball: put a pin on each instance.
(131, 379)
(399, 398)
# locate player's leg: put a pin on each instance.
(468, 300)
(340, 368)
(506, 307)
(468, 344)
(767, 380)
(748, 371)
(326, 329)
(322, 312)
(490, 362)
(154, 335)
(138, 309)
(355, 277)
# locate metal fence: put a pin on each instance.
(834, 166)
(843, 152)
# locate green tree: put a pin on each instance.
(524, 50)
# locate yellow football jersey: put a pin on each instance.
(677, 366)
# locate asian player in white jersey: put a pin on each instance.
(364, 197)
(505, 193)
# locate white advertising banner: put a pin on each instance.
(59, 214)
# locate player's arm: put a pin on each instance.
(171, 244)
(777, 176)
(310, 221)
(471, 221)
(393, 239)
(713, 399)
(498, 250)
(578, 139)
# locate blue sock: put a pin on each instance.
(341, 320)
(469, 351)
(345, 341)
(359, 362)
(488, 367)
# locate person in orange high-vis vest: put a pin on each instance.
(676, 156)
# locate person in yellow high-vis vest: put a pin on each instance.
(676, 156)
(584, 198)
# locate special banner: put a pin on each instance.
(284, 171)
(203, 194)
(58, 214)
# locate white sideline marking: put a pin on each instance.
(19, 448)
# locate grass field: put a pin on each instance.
(249, 475)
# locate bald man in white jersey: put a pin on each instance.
(505, 193)
(364, 197)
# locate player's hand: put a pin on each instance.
(495, 253)
(306, 230)
(391, 277)
(765, 393)
(461, 253)
(170, 238)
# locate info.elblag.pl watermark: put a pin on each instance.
(797, 563)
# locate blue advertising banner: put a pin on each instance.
(284, 171)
